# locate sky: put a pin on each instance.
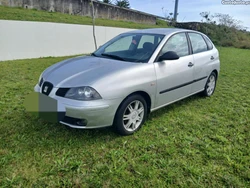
(189, 10)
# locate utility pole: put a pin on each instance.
(176, 10)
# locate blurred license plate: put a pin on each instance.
(45, 107)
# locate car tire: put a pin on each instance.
(130, 115)
(210, 85)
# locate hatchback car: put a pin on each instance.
(130, 76)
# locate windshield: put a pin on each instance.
(132, 47)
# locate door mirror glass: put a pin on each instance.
(170, 55)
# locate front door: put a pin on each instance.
(174, 77)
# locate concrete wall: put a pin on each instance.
(22, 40)
(83, 7)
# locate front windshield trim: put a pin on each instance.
(113, 56)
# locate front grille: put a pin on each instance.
(61, 92)
(47, 87)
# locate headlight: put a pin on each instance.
(83, 93)
(40, 81)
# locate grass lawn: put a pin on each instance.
(10, 13)
(197, 142)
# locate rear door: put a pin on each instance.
(203, 58)
(174, 77)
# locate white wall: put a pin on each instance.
(23, 40)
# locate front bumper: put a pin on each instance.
(97, 113)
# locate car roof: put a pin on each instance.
(162, 31)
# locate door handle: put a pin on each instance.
(190, 64)
(212, 57)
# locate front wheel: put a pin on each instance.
(210, 85)
(131, 115)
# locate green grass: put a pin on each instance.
(197, 142)
(9, 13)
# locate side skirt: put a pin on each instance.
(153, 109)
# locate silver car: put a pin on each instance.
(130, 76)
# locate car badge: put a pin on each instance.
(45, 89)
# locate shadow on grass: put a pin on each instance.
(174, 106)
(35, 133)
(30, 132)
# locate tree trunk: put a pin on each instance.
(93, 22)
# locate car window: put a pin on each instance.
(131, 47)
(197, 42)
(177, 43)
(209, 44)
(120, 45)
(146, 38)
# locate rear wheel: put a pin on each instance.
(210, 85)
(131, 115)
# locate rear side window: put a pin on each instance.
(209, 44)
(198, 43)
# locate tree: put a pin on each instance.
(169, 17)
(122, 3)
(207, 16)
(208, 19)
(221, 19)
(107, 1)
(228, 21)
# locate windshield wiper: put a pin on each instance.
(113, 56)
(93, 54)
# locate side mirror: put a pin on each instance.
(170, 55)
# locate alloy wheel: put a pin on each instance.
(133, 115)
(211, 85)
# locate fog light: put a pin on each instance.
(82, 122)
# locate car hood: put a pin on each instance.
(83, 71)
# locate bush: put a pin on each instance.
(221, 35)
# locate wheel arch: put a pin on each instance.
(144, 94)
(216, 73)
(204, 92)
(147, 98)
